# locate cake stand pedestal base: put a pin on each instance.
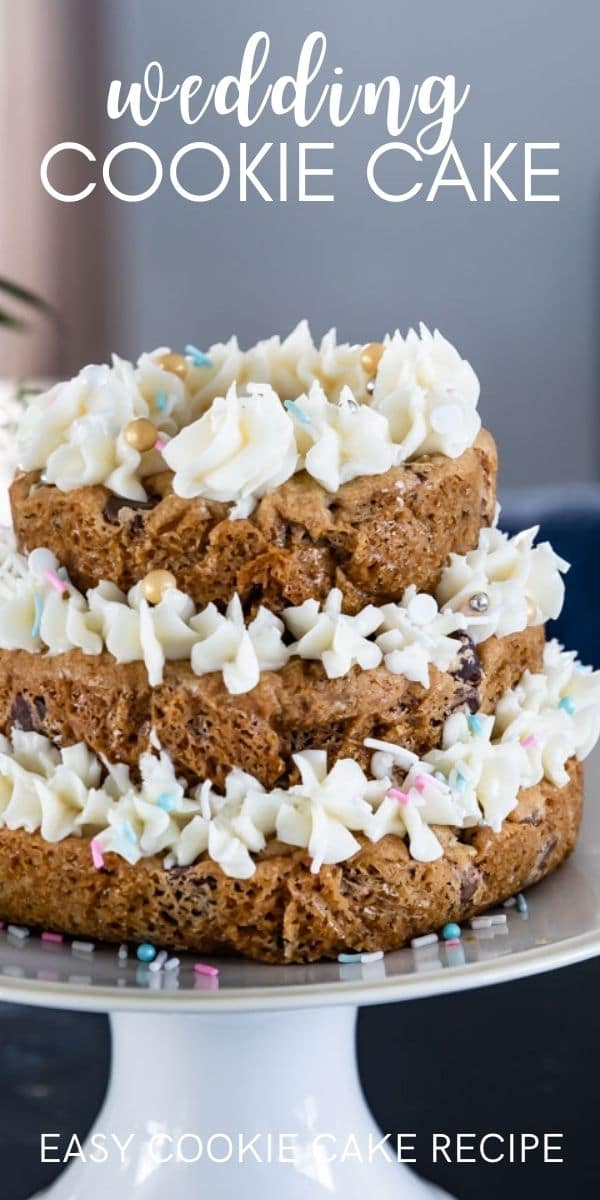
(230, 1095)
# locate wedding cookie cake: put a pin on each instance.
(272, 680)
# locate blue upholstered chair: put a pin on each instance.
(569, 518)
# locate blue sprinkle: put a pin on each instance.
(349, 958)
(460, 781)
(39, 609)
(522, 904)
(129, 832)
(475, 723)
(146, 953)
(166, 802)
(161, 401)
(451, 931)
(567, 703)
(199, 359)
(296, 411)
(62, 573)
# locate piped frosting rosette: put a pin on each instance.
(473, 779)
(233, 425)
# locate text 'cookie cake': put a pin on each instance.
(272, 680)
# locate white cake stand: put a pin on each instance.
(270, 1050)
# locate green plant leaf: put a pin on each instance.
(26, 296)
(10, 322)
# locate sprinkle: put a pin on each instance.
(146, 953)
(161, 401)
(396, 794)
(54, 579)
(160, 445)
(371, 956)
(296, 411)
(567, 703)
(18, 931)
(497, 918)
(510, 903)
(97, 855)
(122, 953)
(421, 783)
(349, 958)
(475, 724)
(166, 802)
(39, 611)
(84, 947)
(55, 938)
(198, 357)
(480, 922)
(426, 939)
(205, 969)
(129, 832)
(172, 964)
(529, 741)
(159, 961)
(522, 904)
(451, 932)
(460, 782)
(454, 941)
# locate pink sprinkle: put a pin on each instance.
(97, 855)
(421, 783)
(529, 741)
(204, 969)
(401, 797)
(159, 445)
(55, 938)
(452, 942)
(56, 582)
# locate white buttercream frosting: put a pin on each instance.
(522, 583)
(473, 779)
(241, 448)
(231, 436)
(41, 611)
(428, 394)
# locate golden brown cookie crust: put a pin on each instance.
(75, 697)
(372, 538)
(377, 900)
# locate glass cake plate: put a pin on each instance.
(271, 1048)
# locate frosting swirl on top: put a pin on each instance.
(473, 779)
(428, 394)
(221, 408)
(241, 448)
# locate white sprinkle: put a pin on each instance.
(155, 740)
(498, 918)
(480, 922)
(159, 961)
(172, 964)
(84, 947)
(374, 956)
(426, 939)
(402, 756)
(18, 931)
(511, 903)
(123, 953)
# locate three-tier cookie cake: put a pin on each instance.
(272, 680)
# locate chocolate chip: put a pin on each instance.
(469, 883)
(115, 505)
(40, 707)
(469, 668)
(548, 849)
(22, 715)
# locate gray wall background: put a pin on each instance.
(514, 285)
